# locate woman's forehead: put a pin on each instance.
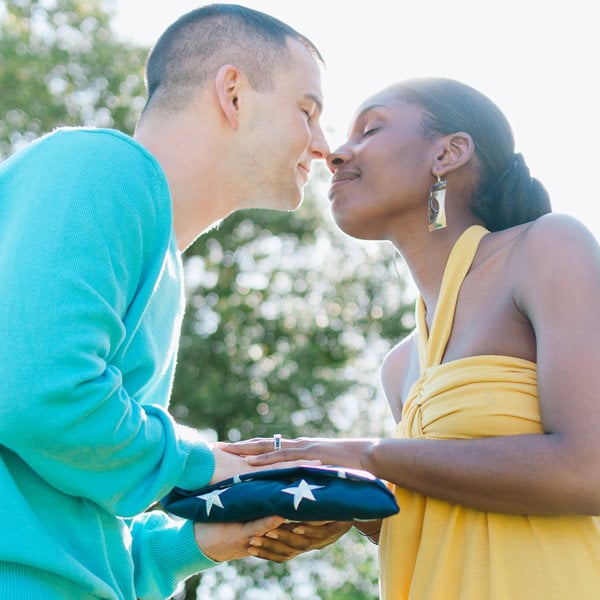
(388, 95)
(388, 101)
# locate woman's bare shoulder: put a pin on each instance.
(552, 236)
(554, 261)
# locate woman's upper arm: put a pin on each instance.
(393, 374)
(557, 287)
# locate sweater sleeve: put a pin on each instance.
(164, 553)
(85, 229)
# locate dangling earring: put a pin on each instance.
(437, 205)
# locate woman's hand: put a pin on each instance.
(352, 453)
(291, 539)
(369, 529)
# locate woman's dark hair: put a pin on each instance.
(507, 195)
(194, 47)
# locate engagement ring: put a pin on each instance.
(277, 441)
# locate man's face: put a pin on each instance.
(286, 135)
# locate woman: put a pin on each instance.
(496, 459)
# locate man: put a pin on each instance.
(92, 223)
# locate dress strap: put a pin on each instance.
(432, 345)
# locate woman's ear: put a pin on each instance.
(456, 150)
(227, 87)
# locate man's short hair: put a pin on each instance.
(194, 47)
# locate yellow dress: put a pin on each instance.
(434, 550)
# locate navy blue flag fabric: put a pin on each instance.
(306, 493)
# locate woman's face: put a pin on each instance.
(383, 172)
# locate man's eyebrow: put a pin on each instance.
(316, 99)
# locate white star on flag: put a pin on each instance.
(341, 472)
(301, 491)
(212, 498)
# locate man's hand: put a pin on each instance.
(227, 541)
(228, 464)
(271, 538)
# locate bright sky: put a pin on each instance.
(537, 59)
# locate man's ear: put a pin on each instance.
(227, 86)
(456, 150)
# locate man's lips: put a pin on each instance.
(305, 169)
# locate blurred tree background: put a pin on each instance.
(287, 319)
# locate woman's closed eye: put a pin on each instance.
(370, 131)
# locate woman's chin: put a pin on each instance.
(354, 227)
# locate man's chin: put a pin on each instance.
(297, 203)
(285, 204)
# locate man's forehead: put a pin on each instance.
(305, 73)
(302, 54)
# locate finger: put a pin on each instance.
(303, 537)
(310, 531)
(269, 555)
(300, 529)
(260, 527)
(290, 525)
(286, 464)
(270, 457)
(248, 447)
(313, 523)
(285, 541)
(330, 531)
(291, 544)
(284, 544)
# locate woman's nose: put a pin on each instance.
(338, 158)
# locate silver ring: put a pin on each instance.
(277, 441)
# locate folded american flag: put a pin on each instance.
(307, 493)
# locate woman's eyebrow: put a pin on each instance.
(367, 109)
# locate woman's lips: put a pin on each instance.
(341, 178)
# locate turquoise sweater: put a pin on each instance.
(91, 303)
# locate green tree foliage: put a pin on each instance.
(287, 319)
(62, 65)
